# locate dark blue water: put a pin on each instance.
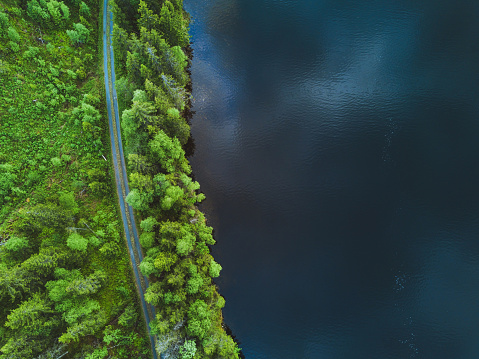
(338, 145)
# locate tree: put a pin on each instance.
(169, 153)
(79, 35)
(194, 284)
(175, 126)
(148, 19)
(7, 182)
(147, 267)
(133, 65)
(173, 26)
(185, 244)
(199, 322)
(29, 314)
(67, 201)
(13, 284)
(188, 350)
(13, 34)
(140, 164)
(215, 269)
(139, 200)
(147, 239)
(84, 10)
(4, 24)
(129, 317)
(120, 44)
(76, 242)
(148, 224)
(16, 244)
(164, 261)
(135, 121)
(38, 13)
(56, 15)
(172, 195)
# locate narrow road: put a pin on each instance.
(121, 177)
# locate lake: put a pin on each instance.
(337, 143)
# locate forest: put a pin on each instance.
(66, 284)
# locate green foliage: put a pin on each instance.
(13, 46)
(13, 34)
(4, 23)
(168, 153)
(215, 269)
(84, 10)
(29, 314)
(31, 53)
(164, 261)
(148, 224)
(194, 284)
(188, 350)
(79, 35)
(16, 244)
(175, 126)
(52, 14)
(173, 26)
(7, 182)
(129, 317)
(199, 322)
(147, 240)
(147, 267)
(76, 242)
(67, 201)
(52, 108)
(139, 200)
(38, 12)
(148, 19)
(185, 244)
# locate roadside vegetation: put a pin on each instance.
(66, 288)
(151, 40)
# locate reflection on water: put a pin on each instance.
(336, 142)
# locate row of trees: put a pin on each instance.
(65, 283)
(174, 235)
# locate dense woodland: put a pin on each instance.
(150, 55)
(65, 280)
(66, 288)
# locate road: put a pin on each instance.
(121, 177)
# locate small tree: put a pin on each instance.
(4, 24)
(215, 269)
(13, 34)
(148, 224)
(79, 35)
(77, 242)
(188, 350)
(84, 10)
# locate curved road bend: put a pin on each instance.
(121, 178)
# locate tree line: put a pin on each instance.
(150, 57)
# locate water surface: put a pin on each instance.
(337, 144)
